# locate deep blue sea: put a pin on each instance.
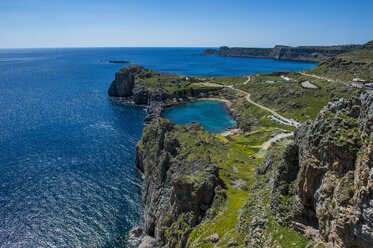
(67, 174)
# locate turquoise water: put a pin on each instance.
(213, 115)
(67, 173)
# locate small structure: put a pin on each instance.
(308, 85)
(359, 80)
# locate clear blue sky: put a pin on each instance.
(203, 23)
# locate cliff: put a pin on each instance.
(321, 185)
(180, 180)
(334, 189)
(347, 66)
(240, 52)
(301, 53)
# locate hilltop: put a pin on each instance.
(347, 66)
(300, 53)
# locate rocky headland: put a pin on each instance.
(301, 53)
(156, 90)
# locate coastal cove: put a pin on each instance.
(212, 114)
(70, 151)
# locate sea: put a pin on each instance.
(67, 150)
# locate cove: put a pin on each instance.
(213, 115)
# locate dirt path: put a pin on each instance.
(322, 78)
(268, 143)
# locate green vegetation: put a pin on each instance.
(170, 83)
(237, 170)
(228, 80)
(347, 66)
(290, 99)
(252, 117)
(260, 213)
(269, 78)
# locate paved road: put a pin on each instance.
(291, 122)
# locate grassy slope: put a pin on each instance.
(292, 100)
(355, 64)
(235, 165)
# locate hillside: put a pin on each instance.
(301, 53)
(248, 189)
(347, 66)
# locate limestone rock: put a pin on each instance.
(334, 189)
(124, 82)
(177, 192)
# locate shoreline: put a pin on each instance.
(227, 102)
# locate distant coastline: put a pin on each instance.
(301, 53)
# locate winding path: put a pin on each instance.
(322, 78)
(291, 122)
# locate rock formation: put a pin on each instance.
(123, 83)
(334, 189)
(179, 185)
(321, 185)
(155, 90)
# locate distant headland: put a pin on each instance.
(300, 53)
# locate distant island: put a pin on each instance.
(118, 62)
(300, 53)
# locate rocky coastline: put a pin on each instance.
(316, 189)
(301, 53)
(130, 85)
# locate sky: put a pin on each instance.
(176, 23)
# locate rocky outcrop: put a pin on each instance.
(321, 185)
(269, 203)
(334, 187)
(301, 53)
(155, 90)
(124, 82)
(179, 184)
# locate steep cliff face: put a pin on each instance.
(240, 52)
(309, 53)
(302, 53)
(123, 83)
(321, 185)
(179, 181)
(334, 187)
